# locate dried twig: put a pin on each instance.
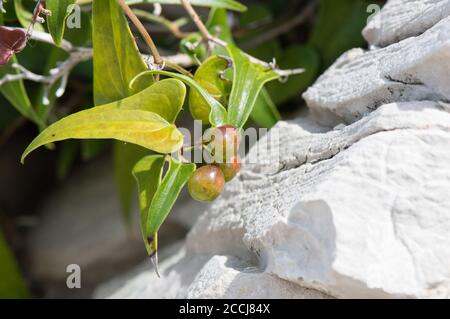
(213, 40)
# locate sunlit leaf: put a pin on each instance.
(218, 113)
(158, 194)
(248, 80)
(148, 174)
(57, 21)
(208, 77)
(12, 284)
(130, 120)
(264, 112)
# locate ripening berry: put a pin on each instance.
(206, 183)
(231, 168)
(11, 41)
(224, 143)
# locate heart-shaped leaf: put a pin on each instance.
(57, 21)
(158, 194)
(11, 41)
(248, 81)
(208, 76)
(218, 113)
(130, 120)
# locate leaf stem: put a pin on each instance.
(147, 38)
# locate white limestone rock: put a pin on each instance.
(359, 211)
(193, 276)
(401, 19)
(359, 82)
(231, 278)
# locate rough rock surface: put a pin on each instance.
(355, 212)
(360, 81)
(360, 210)
(401, 19)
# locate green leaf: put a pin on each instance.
(218, 25)
(116, 57)
(265, 112)
(12, 284)
(148, 174)
(225, 4)
(117, 60)
(24, 16)
(57, 21)
(130, 120)
(157, 196)
(16, 94)
(125, 158)
(218, 113)
(295, 56)
(207, 76)
(248, 80)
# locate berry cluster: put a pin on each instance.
(207, 182)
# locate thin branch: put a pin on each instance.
(76, 56)
(172, 26)
(211, 39)
(198, 22)
(36, 17)
(147, 38)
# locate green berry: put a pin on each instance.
(206, 183)
(231, 168)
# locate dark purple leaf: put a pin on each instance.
(11, 41)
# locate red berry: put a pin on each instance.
(231, 168)
(11, 41)
(224, 143)
(206, 183)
